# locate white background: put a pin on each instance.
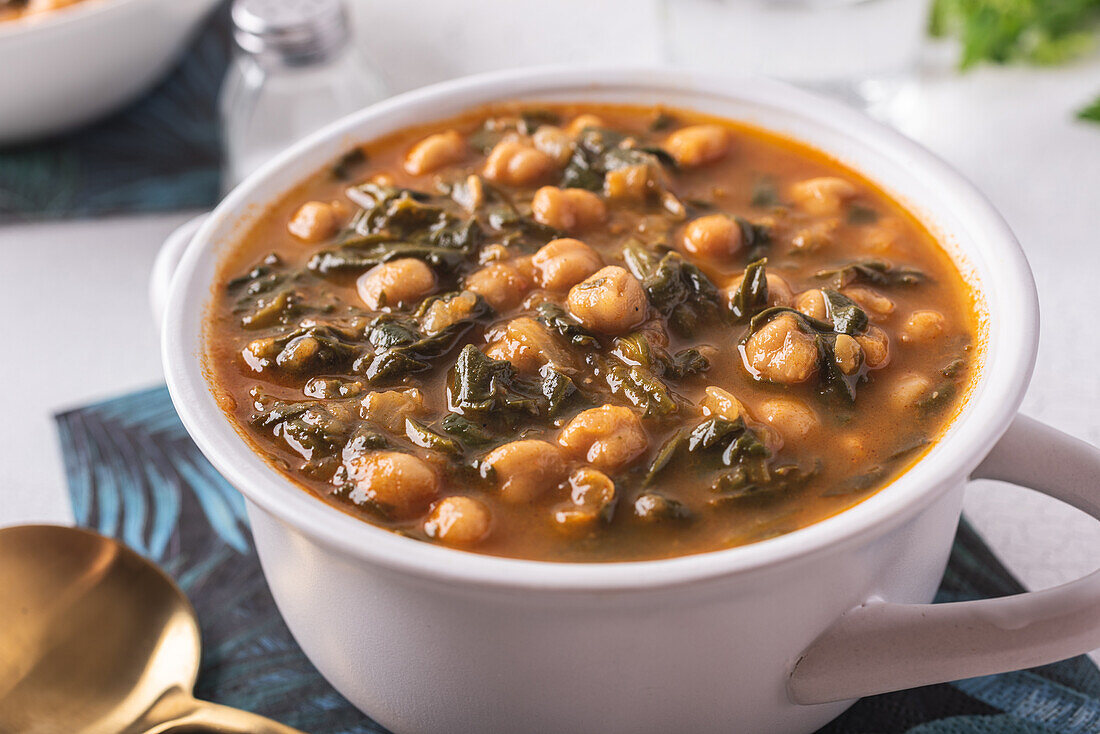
(76, 325)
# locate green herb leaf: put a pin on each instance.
(1090, 112)
(481, 386)
(751, 296)
(343, 169)
(1006, 31)
(426, 438)
(874, 272)
(465, 430)
(848, 318)
(679, 290)
(557, 319)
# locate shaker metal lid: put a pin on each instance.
(294, 31)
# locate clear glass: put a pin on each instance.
(862, 51)
(266, 105)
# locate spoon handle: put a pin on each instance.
(203, 716)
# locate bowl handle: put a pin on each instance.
(168, 258)
(880, 646)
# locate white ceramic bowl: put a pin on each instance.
(61, 69)
(778, 636)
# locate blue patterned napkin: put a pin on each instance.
(161, 153)
(134, 474)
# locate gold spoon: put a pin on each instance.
(95, 639)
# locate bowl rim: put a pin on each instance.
(60, 17)
(984, 417)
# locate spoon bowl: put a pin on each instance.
(98, 640)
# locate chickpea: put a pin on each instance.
(528, 346)
(781, 352)
(395, 283)
(610, 301)
(697, 145)
(435, 152)
(793, 418)
(458, 520)
(493, 253)
(655, 507)
(448, 311)
(871, 301)
(571, 210)
(316, 220)
(922, 327)
(909, 390)
(853, 446)
(561, 264)
(779, 292)
(402, 485)
(721, 403)
(609, 437)
(876, 347)
(883, 237)
(578, 124)
(812, 304)
(515, 163)
(822, 196)
(471, 194)
(630, 182)
(849, 355)
(715, 236)
(524, 469)
(815, 236)
(388, 409)
(500, 284)
(554, 142)
(592, 492)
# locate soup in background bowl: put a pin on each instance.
(590, 333)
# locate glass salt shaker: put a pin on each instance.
(294, 70)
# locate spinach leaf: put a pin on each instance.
(716, 445)
(401, 349)
(679, 290)
(366, 253)
(262, 278)
(305, 350)
(739, 484)
(310, 428)
(531, 120)
(860, 214)
(557, 319)
(751, 296)
(558, 389)
(599, 150)
(637, 384)
(344, 167)
(465, 430)
(426, 438)
(765, 194)
(481, 386)
(874, 272)
(401, 212)
(755, 238)
(661, 121)
(637, 349)
(847, 317)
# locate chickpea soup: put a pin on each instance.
(590, 333)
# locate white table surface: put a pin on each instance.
(77, 326)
